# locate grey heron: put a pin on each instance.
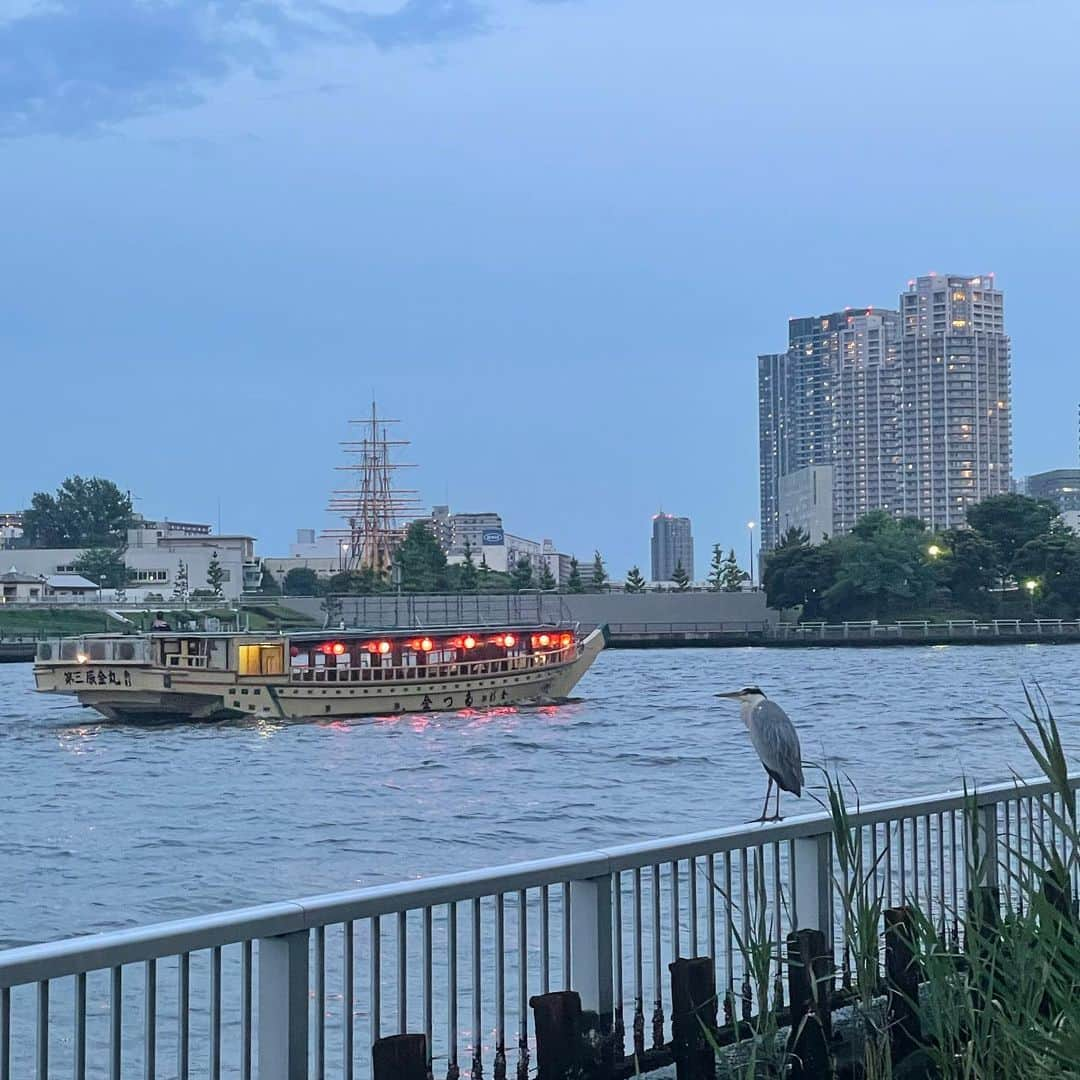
(776, 741)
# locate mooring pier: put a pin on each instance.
(494, 972)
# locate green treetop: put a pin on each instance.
(599, 574)
(635, 583)
(574, 583)
(468, 578)
(731, 574)
(521, 577)
(547, 580)
(680, 577)
(83, 513)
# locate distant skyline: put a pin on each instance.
(550, 237)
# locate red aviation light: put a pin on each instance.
(469, 641)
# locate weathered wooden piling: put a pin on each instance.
(902, 982)
(810, 979)
(570, 1042)
(400, 1057)
(693, 1017)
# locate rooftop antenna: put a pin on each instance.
(375, 510)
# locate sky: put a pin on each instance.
(549, 236)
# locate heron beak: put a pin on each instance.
(730, 694)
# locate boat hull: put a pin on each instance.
(152, 696)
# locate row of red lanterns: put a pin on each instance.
(468, 641)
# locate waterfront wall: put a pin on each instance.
(715, 612)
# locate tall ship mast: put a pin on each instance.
(375, 510)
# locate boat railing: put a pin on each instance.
(303, 988)
(439, 670)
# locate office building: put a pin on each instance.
(1062, 488)
(672, 545)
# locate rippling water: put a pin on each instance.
(108, 825)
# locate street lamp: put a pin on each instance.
(1031, 585)
(341, 557)
(933, 551)
(750, 531)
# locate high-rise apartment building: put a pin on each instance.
(910, 409)
(955, 397)
(672, 544)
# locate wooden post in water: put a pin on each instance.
(569, 1042)
(400, 1057)
(693, 1013)
(810, 978)
(902, 981)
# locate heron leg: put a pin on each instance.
(765, 808)
(776, 816)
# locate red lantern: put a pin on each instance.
(545, 639)
(566, 640)
(337, 648)
(384, 647)
(426, 644)
(510, 641)
(469, 642)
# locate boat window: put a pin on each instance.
(97, 650)
(261, 659)
(217, 653)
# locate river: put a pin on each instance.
(109, 825)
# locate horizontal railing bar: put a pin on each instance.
(51, 960)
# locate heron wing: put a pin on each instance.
(777, 744)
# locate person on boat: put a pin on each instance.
(159, 622)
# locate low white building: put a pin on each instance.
(153, 556)
(16, 587)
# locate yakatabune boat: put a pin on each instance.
(286, 676)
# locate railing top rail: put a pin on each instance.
(56, 959)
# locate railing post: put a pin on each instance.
(283, 1007)
(591, 955)
(812, 909)
(983, 847)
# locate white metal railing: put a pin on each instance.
(912, 629)
(302, 988)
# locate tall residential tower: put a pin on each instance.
(876, 409)
(672, 545)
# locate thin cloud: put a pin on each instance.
(76, 66)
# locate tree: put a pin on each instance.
(883, 575)
(716, 569)
(215, 576)
(574, 583)
(680, 577)
(180, 582)
(1053, 561)
(104, 566)
(967, 567)
(332, 609)
(793, 536)
(301, 581)
(1008, 522)
(546, 580)
(635, 583)
(797, 575)
(422, 560)
(521, 577)
(468, 578)
(355, 582)
(83, 513)
(268, 584)
(599, 574)
(731, 574)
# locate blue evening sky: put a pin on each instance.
(551, 237)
